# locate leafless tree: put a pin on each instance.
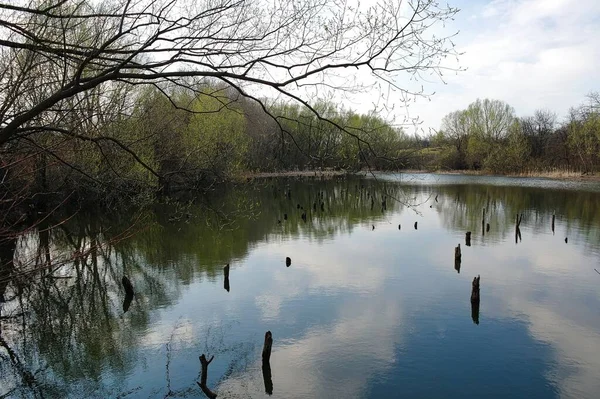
(54, 53)
(538, 129)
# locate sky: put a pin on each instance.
(532, 54)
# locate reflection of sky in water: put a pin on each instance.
(449, 179)
(365, 313)
(383, 313)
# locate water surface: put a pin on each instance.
(367, 309)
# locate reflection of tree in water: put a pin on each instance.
(72, 330)
(63, 327)
(237, 356)
(460, 209)
(66, 281)
(202, 243)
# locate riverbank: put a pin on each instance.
(556, 175)
(297, 173)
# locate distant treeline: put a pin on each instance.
(488, 136)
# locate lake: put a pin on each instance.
(371, 306)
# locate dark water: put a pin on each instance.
(360, 313)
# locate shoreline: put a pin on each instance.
(553, 175)
(296, 173)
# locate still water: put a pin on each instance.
(370, 307)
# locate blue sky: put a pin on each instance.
(532, 54)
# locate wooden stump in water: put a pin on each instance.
(127, 285)
(475, 290)
(519, 220)
(128, 293)
(288, 261)
(266, 352)
(267, 377)
(204, 376)
(457, 258)
(127, 302)
(399, 227)
(457, 263)
(518, 228)
(468, 239)
(226, 274)
(416, 225)
(566, 240)
(475, 312)
(553, 218)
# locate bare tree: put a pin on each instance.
(455, 126)
(490, 119)
(538, 129)
(54, 52)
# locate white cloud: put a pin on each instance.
(531, 53)
(304, 367)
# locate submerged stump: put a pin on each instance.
(127, 302)
(204, 376)
(475, 312)
(127, 286)
(468, 239)
(475, 290)
(267, 377)
(457, 258)
(226, 274)
(288, 261)
(266, 352)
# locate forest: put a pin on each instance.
(184, 140)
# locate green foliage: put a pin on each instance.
(509, 156)
(488, 136)
(214, 139)
(337, 139)
(584, 138)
